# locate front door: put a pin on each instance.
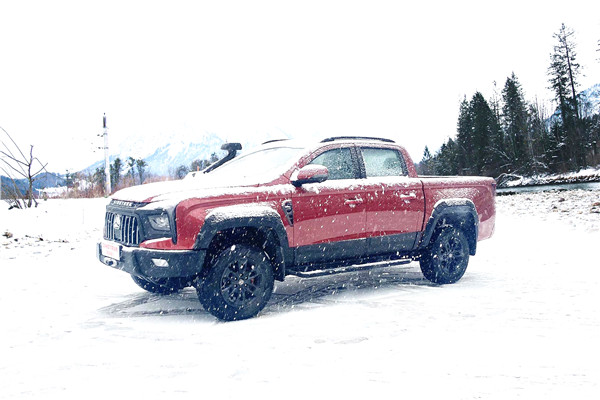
(330, 217)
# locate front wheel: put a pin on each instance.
(238, 284)
(447, 258)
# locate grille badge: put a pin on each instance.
(117, 223)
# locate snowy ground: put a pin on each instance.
(522, 323)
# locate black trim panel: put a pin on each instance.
(328, 252)
(269, 221)
(453, 214)
(381, 246)
(138, 261)
(391, 244)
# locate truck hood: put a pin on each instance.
(159, 191)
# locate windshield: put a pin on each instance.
(257, 167)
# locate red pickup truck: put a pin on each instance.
(293, 208)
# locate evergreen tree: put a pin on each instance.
(115, 172)
(464, 139)
(514, 123)
(496, 147)
(181, 172)
(199, 165)
(484, 128)
(131, 165)
(69, 179)
(555, 148)
(425, 167)
(537, 144)
(477, 148)
(141, 169)
(563, 73)
(99, 177)
(594, 129)
(447, 160)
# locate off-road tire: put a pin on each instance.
(238, 283)
(447, 257)
(162, 285)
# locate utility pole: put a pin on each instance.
(106, 161)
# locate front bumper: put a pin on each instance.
(146, 263)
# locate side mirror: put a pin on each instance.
(312, 173)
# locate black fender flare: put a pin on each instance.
(261, 217)
(460, 213)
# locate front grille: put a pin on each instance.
(122, 228)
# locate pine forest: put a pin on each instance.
(507, 135)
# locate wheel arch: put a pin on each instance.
(459, 213)
(258, 226)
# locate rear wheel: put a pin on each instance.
(447, 258)
(238, 284)
(162, 285)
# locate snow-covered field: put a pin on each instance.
(522, 323)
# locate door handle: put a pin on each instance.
(353, 202)
(407, 197)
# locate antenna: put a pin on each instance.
(106, 161)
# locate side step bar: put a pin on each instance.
(348, 268)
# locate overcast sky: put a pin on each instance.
(242, 68)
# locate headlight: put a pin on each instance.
(159, 222)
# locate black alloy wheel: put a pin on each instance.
(448, 256)
(238, 285)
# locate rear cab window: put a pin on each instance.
(383, 162)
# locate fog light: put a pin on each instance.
(159, 262)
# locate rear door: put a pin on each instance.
(395, 202)
(330, 217)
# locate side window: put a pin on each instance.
(383, 162)
(338, 162)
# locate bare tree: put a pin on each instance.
(14, 163)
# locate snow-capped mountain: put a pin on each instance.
(167, 157)
(166, 152)
(590, 100)
(589, 104)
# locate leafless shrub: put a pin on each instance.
(16, 165)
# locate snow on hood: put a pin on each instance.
(144, 193)
(170, 193)
(150, 191)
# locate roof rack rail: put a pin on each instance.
(334, 138)
(274, 140)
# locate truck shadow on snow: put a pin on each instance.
(294, 292)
